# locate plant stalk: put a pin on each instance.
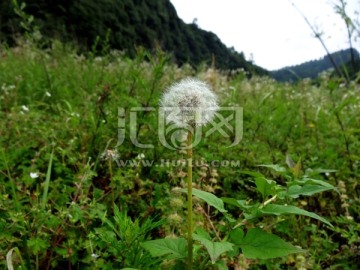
(189, 201)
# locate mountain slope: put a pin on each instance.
(312, 69)
(128, 24)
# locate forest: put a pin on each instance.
(163, 149)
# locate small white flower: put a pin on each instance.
(94, 255)
(48, 94)
(34, 175)
(25, 108)
(141, 156)
(189, 102)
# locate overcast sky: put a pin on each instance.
(272, 32)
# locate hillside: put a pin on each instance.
(124, 25)
(312, 69)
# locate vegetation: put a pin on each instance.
(312, 69)
(91, 177)
(123, 25)
(63, 166)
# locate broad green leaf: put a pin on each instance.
(276, 209)
(265, 187)
(258, 244)
(174, 248)
(215, 249)
(221, 265)
(315, 181)
(239, 203)
(307, 190)
(204, 234)
(209, 198)
(254, 174)
(237, 236)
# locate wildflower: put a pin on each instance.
(176, 203)
(93, 255)
(189, 102)
(25, 108)
(110, 154)
(175, 219)
(47, 94)
(34, 175)
(141, 156)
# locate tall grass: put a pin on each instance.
(56, 99)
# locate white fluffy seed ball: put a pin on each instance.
(189, 102)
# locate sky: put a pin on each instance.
(272, 33)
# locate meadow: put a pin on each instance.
(79, 191)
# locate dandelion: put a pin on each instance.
(189, 102)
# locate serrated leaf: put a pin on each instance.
(173, 248)
(209, 198)
(306, 190)
(276, 209)
(258, 244)
(204, 234)
(215, 249)
(37, 244)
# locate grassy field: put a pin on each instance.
(76, 192)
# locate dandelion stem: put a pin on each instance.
(189, 191)
(112, 184)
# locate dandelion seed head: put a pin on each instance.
(189, 102)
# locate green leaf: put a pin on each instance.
(276, 209)
(209, 198)
(204, 234)
(306, 190)
(265, 187)
(237, 236)
(47, 182)
(239, 203)
(254, 174)
(174, 248)
(258, 244)
(9, 259)
(215, 249)
(315, 181)
(37, 245)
